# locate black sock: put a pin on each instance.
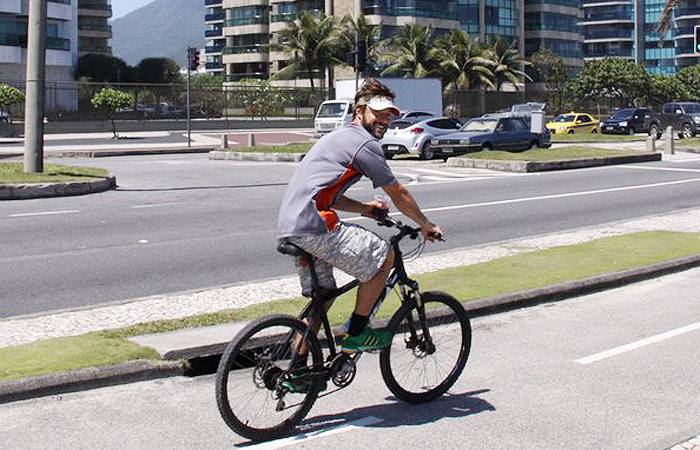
(357, 324)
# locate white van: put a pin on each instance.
(333, 114)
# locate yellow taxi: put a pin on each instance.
(573, 122)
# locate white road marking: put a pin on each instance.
(43, 213)
(548, 197)
(154, 205)
(635, 345)
(668, 169)
(295, 440)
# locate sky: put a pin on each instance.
(123, 7)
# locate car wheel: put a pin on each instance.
(654, 131)
(687, 132)
(631, 131)
(533, 144)
(389, 155)
(594, 131)
(486, 147)
(426, 152)
(570, 132)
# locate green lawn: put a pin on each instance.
(501, 276)
(551, 154)
(11, 173)
(595, 137)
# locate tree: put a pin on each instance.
(9, 95)
(508, 65)
(463, 62)
(367, 35)
(109, 100)
(556, 78)
(309, 44)
(664, 89)
(207, 94)
(689, 77)
(261, 99)
(158, 70)
(612, 78)
(409, 52)
(103, 68)
(664, 22)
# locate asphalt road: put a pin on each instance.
(182, 222)
(613, 370)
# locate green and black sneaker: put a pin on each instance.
(367, 341)
(300, 384)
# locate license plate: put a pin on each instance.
(327, 126)
(447, 150)
(609, 128)
(392, 147)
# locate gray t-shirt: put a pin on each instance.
(334, 163)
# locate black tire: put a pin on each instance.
(687, 131)
(414, 375)
(654, 131)
(486, 147)
(426, 152)
(389, 155)
(247, 380)
(631, 131)
(570, 132)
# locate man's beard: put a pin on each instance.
(377, 130)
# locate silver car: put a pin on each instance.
(409, 136)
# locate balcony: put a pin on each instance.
(213, 49)
(260, 20)
(95, 5)
(214, 33)
(241, 49)
(214, 66)
(215, 17)
(101, 49)
(682, 12)
(244, 76)
(213, 2)
(20, 40)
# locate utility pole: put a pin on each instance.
(35, 82)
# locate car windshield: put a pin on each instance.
(331, 110)
(622, 114)
(480, 125)
(692, 108)
(565, 118)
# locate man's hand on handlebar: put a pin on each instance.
(432, 232)
(375, 209)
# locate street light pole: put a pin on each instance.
(35, 82)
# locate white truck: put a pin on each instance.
(422, 94)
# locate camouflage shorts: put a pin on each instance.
(351, 248)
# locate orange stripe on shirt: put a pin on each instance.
(325, 198)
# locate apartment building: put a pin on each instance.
(94, 30)
(239, 31)
(627, 29)
(554, 25)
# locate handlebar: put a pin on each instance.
(405, 230)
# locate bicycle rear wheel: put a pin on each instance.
(416, 369)
(251, 399)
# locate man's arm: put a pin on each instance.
(367, 209)
(407, 205)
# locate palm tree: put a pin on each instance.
(463, 63)
(310, 44)
(367, 34)
(409, 52)
(508, 64)
(664, 22)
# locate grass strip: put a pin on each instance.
(595, 137)
(551, 154)
(501, 276)
(290, 148)
(13, 172)
(692, 142)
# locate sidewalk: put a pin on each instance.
(189, 344)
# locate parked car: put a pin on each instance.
(573, 122)
(506, 133)
(415, 115)
(409, 136)
(627, 121)
(684, 117)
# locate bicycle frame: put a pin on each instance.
(316, 308)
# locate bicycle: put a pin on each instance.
(250, 389)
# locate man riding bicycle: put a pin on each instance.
(308, 219)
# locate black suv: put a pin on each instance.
(627, 121)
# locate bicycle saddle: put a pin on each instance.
(288, 248)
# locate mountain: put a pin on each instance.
(161, 29)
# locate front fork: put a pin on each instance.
(422, 344)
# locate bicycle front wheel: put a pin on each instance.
(417, 369)
(249, 391)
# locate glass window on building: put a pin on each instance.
(501, 18)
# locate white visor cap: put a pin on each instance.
(379, 103)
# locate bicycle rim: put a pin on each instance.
(413, 372)
(248, 379)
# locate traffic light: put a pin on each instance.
(192, 58)
(697, 39)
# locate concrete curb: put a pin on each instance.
(89, 378)
(256, 156)
(42, 190)
(177, 362)
(541, 166)
(126, 152)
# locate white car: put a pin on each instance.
(410, 136)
